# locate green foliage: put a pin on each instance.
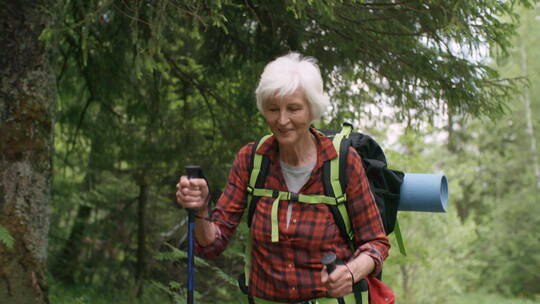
(490, 185)
(6, 238)
(219, 291)
(482, 298)
(176, 254)
(174, 292)
(440, 248)
(88, 294)
(497, 178)
(439, 258)
(147, 87)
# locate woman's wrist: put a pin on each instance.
(361, 266)
(203, 212)
(351, 273)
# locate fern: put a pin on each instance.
(6, 238)
(176, 254)
(174, 291)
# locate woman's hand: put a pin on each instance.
(339, 283)
(192, 193)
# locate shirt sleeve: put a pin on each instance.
(370, 237)
(230, 206)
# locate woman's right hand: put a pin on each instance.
(192, 193)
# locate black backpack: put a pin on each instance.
(384, 183)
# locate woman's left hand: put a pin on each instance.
(339, 283)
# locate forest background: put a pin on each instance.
(103, 102)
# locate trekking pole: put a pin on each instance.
(192, 172)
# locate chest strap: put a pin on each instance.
(293, 197)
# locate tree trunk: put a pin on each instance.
(66, 265)
(144, 183)
(528, 114)
(68, 262)
(451, 144)
(405, 283)
(27, 95)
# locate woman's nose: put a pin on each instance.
(283, 118)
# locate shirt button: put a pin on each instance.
(290, 265)
(294, 221)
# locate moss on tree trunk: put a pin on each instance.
(27, 94)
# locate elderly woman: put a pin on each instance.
(288, 268)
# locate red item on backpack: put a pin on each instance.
(379, 293)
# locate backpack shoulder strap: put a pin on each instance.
(334, 181)
(259, 171)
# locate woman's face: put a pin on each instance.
(289, 117)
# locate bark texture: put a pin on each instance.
(27, 94)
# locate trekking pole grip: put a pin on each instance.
(329, 261)
(193, 171)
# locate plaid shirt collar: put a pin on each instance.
(325, 148)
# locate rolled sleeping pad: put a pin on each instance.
(424, 192)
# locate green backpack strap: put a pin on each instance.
(255, 190)
(399, 239)
(334, 188)
(257, 166)
(335, 184)
(293, 197)
(279, 196)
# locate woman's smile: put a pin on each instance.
(284, 131)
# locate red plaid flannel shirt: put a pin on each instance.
(289, 270)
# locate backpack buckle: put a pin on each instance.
(249, 189)
(293, 197)
(340, 200)
(275, 193)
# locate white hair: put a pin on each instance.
(286, 74)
